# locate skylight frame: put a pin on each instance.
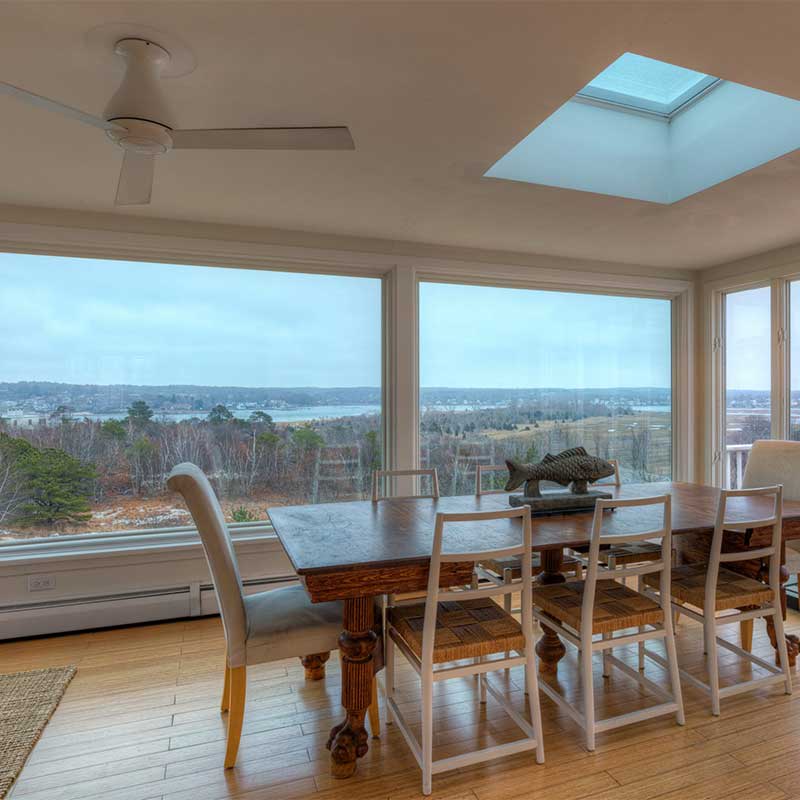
(632, 102)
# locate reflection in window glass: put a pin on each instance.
(513, 373)
(113, 372)
(747, 376)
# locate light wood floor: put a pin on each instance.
(141, 722)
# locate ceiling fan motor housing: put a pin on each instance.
(140, 98)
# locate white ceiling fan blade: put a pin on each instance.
(330, 138)
(135, 179)
(54, 105)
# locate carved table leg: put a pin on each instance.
(348, 740)
(315, 665)
(550, 648)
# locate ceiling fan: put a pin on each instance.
(137, 119)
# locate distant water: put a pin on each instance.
(299, 414)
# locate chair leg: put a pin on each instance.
(507, 606)
(532, 687)
(375, 712)
(783, 653)
(427, 733)
(746, 633)
(225, 703)
(238, 679)
(606, 654)
(588, 691)
(640, 589)
(674, 669)
(710, 635)
(388, 674)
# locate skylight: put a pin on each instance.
(649, 130)
(644, 84)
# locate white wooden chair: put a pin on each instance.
(267, 626)
(466, 625)
(713, 588)
(581, 610)
(379, 476)
(619, 555)
(504, 571)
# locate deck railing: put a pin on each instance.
(735, 462)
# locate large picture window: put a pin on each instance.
(514, 373)
(113, 372)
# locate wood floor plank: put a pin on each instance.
(141, 721)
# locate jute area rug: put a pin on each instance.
(27, 701)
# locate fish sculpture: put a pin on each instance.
(574, 467)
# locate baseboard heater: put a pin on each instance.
(111, 610)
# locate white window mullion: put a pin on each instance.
(401, 380)
(780, 403)
(715, 347)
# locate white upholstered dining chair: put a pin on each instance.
(267, 626)
(773, 461)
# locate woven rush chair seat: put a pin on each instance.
(733, 590)
(632, 553)
(615, 606)
(514, 563)
(464, 629)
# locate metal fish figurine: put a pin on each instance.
(574, 466)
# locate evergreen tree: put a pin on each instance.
(55, 485)
(139, 413)
(219, 414)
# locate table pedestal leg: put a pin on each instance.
(550, 648)
(314, 665)
(348, 739)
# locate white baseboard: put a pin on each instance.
(87, 613)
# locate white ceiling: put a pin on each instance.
(434, 93)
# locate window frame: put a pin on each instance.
(400, 276)
(780, 362)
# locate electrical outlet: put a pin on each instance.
(40, 583)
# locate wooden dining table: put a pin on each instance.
(356, 551)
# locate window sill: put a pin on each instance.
(158, 541)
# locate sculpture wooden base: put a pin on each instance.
(558, 502)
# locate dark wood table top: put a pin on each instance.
(340, 537)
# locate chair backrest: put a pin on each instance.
(773, 461)
(596, 571)
(480, 471)
(435, 594)
(615, 479)
(725, 526)
(190, 482)
(379, 475)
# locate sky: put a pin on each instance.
(508, 338)
(105, 322)
(747, 337)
